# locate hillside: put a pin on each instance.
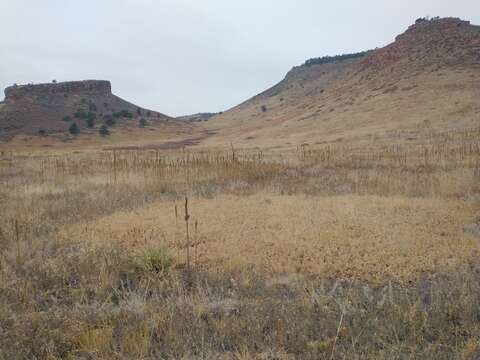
(196, 117)
(52, 108)
(427, 80)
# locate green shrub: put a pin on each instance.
(74, 129)
(142, 123)
(66, 118)
(126, 114)
(80, 114)
(109, 120)
(92, 107)
(154, 260)
(103, 131)
(90, 119)
(123, 114)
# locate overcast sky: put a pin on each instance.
(187, 56)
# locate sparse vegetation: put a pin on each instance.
(264, 108)
(122, 114)
(331, 59)
(426, 19)
(142, 123)
(67, 118)
(320, 263)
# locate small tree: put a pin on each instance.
(90, 119)
(109, 120)
(80, 114)
(142, 123)
(90, 123)
(103, 131)
(67, 118)
(264, 108)
(126, 114)
(74, 129)
(92, 107)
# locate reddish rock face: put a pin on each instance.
(438, 42)
(92, 87)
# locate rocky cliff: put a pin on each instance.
(86, 87)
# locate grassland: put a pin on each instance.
(327, 252)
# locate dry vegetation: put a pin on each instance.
(330, 252)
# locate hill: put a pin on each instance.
(54, 107)
(427, 80)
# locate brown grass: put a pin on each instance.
(368, 238)
(319, 252)
(354, 110)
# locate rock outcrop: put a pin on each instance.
(86, 87)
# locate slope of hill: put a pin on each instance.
(53, 108)
(427, 80)
(196, 117)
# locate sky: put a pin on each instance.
(186, 56)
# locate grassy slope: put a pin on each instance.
(428, 79)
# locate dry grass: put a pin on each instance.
(367, 238)
(332, 252)
(355, 111)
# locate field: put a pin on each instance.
(316, 252)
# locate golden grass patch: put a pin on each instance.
(359, 237)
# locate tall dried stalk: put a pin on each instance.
(196, 241)
(3, 244)
(187, 217)
(114, 166)
(17, 242)
(233, 152)
(176, 229)
(336, 336)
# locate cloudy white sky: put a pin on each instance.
(187, 56)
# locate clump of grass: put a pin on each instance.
(154, 260)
